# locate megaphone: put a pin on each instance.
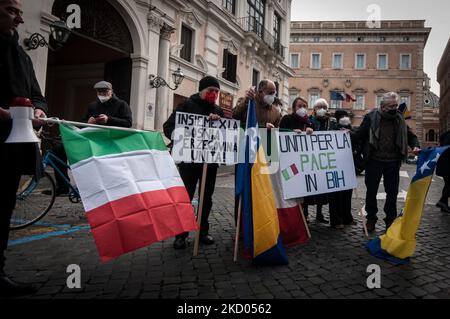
(22, 114)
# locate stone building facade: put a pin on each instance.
(443, 77)
(364, 62)
(128, 42)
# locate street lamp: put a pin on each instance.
(58, 31)
(177, 78)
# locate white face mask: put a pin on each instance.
(269, 99)
(345, 121)
(321, 112)
(302, 112)
(103, 99)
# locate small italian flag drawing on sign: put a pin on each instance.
(290, 172)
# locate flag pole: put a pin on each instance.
(238, 229)
(302, 214)
(362, 213)
(124, 129)
(363, 217)
(200, 208)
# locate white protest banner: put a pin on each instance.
(316, 164)
(197, 139)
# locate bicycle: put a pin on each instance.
(36, 196)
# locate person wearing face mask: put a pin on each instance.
(203, 103)
(268, 114)
(341, 202)
(298, 121)
(387, 137)
(321, 121)
(108, 109)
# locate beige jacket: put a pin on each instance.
(264, 114)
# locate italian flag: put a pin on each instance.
(292, 224)
(130, 187)
(290, 172)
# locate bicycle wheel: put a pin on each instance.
(33, 200)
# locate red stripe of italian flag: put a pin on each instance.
(130, 187)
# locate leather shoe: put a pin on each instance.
(370, 226)
(321, 219)
(207, 240)
(11, 288)
(443, 206)
(179, 243)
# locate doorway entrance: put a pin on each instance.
(99, 50)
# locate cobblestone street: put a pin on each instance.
(333, 264)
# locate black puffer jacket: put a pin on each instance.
(193, 105)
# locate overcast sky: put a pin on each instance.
(435, 12)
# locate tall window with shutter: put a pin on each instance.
(230, 66)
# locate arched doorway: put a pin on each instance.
(99, 50)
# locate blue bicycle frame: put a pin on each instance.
(49, 160)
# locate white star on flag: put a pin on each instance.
(436, 159)
(425, 167)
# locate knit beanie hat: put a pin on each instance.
(207, 82)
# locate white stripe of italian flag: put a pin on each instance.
(130, 187)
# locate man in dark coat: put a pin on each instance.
(203, 103)
(106, 110)
(387, 136)
(17, 79)
(443, 170)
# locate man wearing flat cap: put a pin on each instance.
(203, 103)
(108, 109)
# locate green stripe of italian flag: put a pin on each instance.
(130, 187)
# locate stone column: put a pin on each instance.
(269, 16)
(155, 24)
(139, 87)
(212, 49)
(162, 94)
(419, 94)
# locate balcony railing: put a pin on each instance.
(250, 24)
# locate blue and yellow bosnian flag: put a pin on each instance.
(399, 242)
(260, 216)
(403, 109)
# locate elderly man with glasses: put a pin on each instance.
(387, 137)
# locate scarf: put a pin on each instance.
(401, 130)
